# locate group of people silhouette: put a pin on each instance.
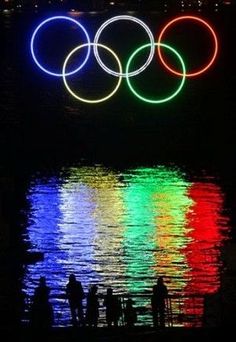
(41, 313)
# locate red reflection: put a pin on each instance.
(206, 224)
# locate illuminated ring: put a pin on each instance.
(37, 30)
(130, 18)
(170, 96)
(80, 98)
(204, 23)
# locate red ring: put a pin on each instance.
(213, 55)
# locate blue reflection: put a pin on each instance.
(44, 235)
(65, 239)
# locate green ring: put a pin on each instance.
(166, 98)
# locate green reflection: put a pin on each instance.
(156, 204)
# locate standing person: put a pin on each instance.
(92, 312)
(154, 306)
(75, 295)
(161, 294)
(41, 310)
(113, 308)
(130, 313)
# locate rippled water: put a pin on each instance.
(123, 229)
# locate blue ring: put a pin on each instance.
(34, 55)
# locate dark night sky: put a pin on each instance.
(35, 117)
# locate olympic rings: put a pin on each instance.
(64, 73)
(36, 32)
(205, 24)
(168, 98)
(127, 74)
(137, 21)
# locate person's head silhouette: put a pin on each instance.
(94, 289)
(130, 302)
(160, 281)
(109, 291)
(42, 281)
(72, 278)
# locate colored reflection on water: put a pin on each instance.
(123, 229)
(156, 203)
(92, 225)
(206, 234)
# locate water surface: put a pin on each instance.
(123, 229)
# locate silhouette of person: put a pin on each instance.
(75, 295)
(159, 295)
(92, 312)
(154, 306)
(130, 313)
(41, 310)
(113, 308)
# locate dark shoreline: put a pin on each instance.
(146, 334)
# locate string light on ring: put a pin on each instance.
(205, 25)
(127, 18)
(169, 97)
(79, 97)
(35, 33)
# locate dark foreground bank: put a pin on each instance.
(120, 334)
